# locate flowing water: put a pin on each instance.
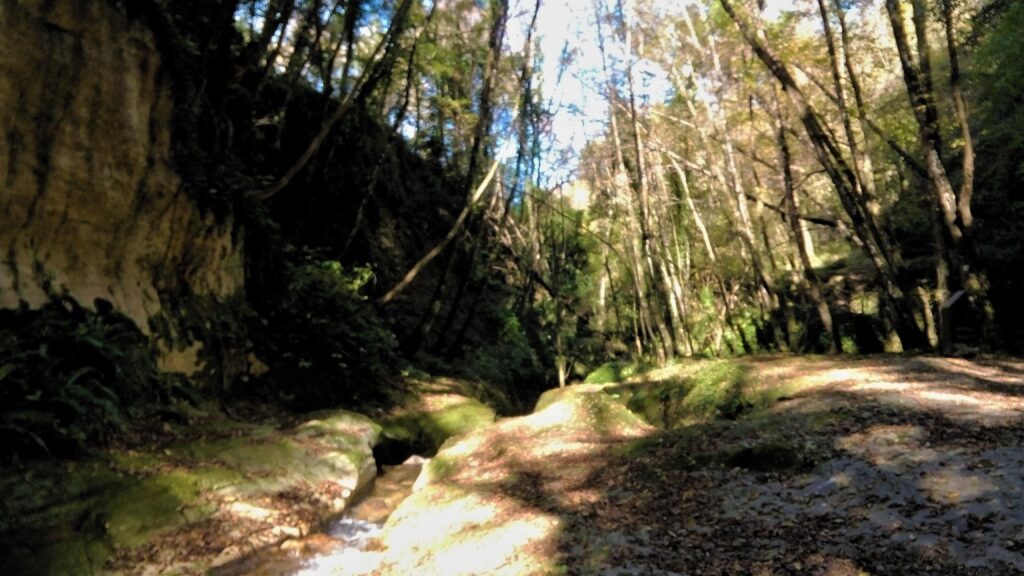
(348, 545)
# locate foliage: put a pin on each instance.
(424, 431)
(615, 371)
(998, 83)
(324, 344)
(498, 350)
(999, 80)
(69, 378)
(715, 390)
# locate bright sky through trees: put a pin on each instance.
(572, 79)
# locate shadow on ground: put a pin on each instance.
(881, 465)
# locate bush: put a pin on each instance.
(69, 377)
(324, 344)
(498, 352)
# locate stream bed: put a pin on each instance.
(348, 545)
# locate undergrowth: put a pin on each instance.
(323, 342)
(718, 389)
(616, 371)
(70, 378)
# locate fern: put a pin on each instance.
(69, 377)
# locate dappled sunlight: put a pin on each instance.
(955, 485)
(885, 445)
(948, 397)
(246, 510)
(1005, 371)
(957, 400)
(556, 414)
(988, 394)
(677, 370)
(474, 530)
(851, 460)
(344, 562)
(484, 504)
(500, 547)
(833, 376)
(883, 386)
(283, 280)
(450, 513)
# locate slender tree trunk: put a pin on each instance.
(845, 181)
(710, 251)
(473, 190)
(366, 82)
(811, 277)
(867, 164)
(410, 72)
(647, 323)
(960, 108)
(958, 256)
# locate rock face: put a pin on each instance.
(90, 205)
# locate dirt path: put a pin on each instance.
(881, 465)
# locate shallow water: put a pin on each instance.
(348, 545)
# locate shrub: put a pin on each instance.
(324, 344)
(69, 377)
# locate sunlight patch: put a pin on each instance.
(246, 510)
(948, 397)
(884, 386)
(953, 486)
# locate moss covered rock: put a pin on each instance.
(442, 409)
(190, 506)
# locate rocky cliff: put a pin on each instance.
(91, 206)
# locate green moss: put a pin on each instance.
(75, 555)
(341, 422)
(151, 506)
(134, 461)
(848, 345)
(70, 518)
(440, 468)
(718, 389)
(52, 495)
(259, 458)
(615, 372)
(427, 430)
(552, 396)
(606, 415)
(460, 418)
(215, 478)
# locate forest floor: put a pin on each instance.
(874, 465)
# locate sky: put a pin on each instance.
(566, 28)
(575, 93)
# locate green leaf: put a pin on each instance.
(79, 373)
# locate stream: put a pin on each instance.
(348, 545)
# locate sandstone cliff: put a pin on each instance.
(90, 204)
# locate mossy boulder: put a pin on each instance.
(713, 390)
(440, 411)
(615, 371)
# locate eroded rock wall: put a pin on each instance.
(90, 204)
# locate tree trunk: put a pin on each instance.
(811, 277)
(843, 178)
